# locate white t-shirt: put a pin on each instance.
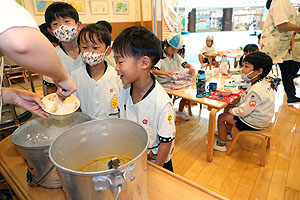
(69, 63)
(256, 106)
(154, 113)
(169, 64)
(275, 42)
(13, 15)
(98, 99)
(208, 50)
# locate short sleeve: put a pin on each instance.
(280, 11)
(166, 126)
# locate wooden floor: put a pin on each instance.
(240, 176)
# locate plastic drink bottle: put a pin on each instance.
(224, 65)
(200, 83)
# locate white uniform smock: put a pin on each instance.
(98, 99)
(13, 15)
(208, 50)
(155, 113)
(256, 106)
(176, 63)
(69, 63)
(275, 42)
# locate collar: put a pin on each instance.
(256, 81)
(62, 48)
(150, 89)
(88, 70)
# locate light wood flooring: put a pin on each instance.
(240, 176)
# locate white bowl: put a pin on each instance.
(225, 93)
(58, 109)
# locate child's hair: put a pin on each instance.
(259, 36)
(43, 28)
(249, 48)
(94, 30)
(260, 60)
(181, 51)
(106, 24)
(137, 41)
(60, 9)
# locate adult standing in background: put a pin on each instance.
(22, 42)
(275, 41)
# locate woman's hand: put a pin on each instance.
(25, 99)
(66, 87)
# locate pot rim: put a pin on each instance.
(74, 172)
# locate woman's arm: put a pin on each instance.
(287, 26)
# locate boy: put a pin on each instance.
(207, 50)
(256, 107)
(142, 98)
(98, 83)
(63, 22)
(249, 48)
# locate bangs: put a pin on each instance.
(90, 37)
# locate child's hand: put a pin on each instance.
(169, 73)
(192, 70)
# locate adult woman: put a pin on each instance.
(275, 41)
(21, 41)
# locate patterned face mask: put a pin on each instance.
(66, 33)
(92, 58)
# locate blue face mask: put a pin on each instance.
(245, 77)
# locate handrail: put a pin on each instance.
(171, 17)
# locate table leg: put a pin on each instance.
(211, 134)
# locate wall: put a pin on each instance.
(134, 12)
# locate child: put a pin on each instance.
(256, 107)
(207, 50)
(63, 22)
(170, 62)
(142, 98)
(109, 59)
(98, 83)
(44, 29)
(249, 48)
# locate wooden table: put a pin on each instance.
(189, 93)
(235, 56)
(162, 184)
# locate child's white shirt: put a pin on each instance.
(155, 113)
(98, 99)
(69, 63)
(256, 106)
(275, 42)
(208, 50)
(169, 64)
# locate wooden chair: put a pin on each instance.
(264, 135)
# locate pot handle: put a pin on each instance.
(115, 181)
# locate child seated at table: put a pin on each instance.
(256, 107)
(208, 50)
(170, 62)
(249, 48)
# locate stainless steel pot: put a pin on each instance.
(33, 140)
(87, 141)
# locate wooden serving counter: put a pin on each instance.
(162, 184)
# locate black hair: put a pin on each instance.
(182, 50)
(43, 28)
(138, 41)
(106, 24)
(60, 9)
(260, 60)
(259, 36)
(268, 4)
(250, 48)
(95, 30)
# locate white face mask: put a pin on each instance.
(92, 58)
(245, 76)
(66, 33)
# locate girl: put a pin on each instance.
(171, 61)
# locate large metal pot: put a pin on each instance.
(33, 140)
(87, 141)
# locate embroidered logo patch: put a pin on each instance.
(169, 117)
(252, 103)
(114, 102)
(111, 90)
(145, 121)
